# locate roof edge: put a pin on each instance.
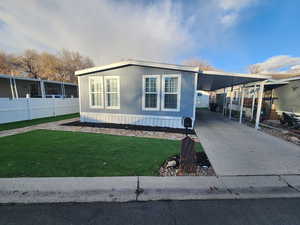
(137, 63)
(220, 73)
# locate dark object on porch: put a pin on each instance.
(130, 127)
(213, 107)
(291, 120)
(187, 156)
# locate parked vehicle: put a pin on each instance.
(292, 120)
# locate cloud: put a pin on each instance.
(235, 4)
(229, 19)
(232, 10)
(279, 64)
(111, 30)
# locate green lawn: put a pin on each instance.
(44, 153)
(26, 123)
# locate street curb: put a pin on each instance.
(124, 189)
(67, 189)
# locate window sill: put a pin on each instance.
(117, 107)
(96, 107)
(150, 109)
(171, 110)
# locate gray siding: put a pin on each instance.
(131, 91)
(289, 97)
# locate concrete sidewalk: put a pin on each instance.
(124, 189)
(236, 149)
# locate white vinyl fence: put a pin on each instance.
(32, 108)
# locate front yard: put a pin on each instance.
(44, 153)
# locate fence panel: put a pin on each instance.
(12, 110)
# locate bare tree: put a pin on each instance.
(8, 63)
(70, 62)
(29, 63)
(254, 68)
(202, 64)
(48, 65)
(60, 66)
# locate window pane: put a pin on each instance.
(170, 101)
(112, 99)
(112, 85)
(96, 99)
(150, 100)
(93, 99)
(150, 84)
(171, 84)
(92, 85)
(98, 86)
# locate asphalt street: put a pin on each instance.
(220, 212)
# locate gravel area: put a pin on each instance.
(171, 166)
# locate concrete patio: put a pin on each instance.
(236, 149)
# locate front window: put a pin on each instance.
(151, 92)
(112, 92)
(171, 92)
(96, 92)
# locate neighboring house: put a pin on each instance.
(284, 95)
(202, 100)
(148, 93)
(22, 87)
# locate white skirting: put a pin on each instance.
(144, 120)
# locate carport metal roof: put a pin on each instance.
(214, 80)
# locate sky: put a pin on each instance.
(228, 34)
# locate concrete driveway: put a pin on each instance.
(235, 149)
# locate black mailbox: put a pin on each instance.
(187, 122)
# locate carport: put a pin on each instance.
(235, 149)
(215, 80)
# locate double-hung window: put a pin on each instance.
(151, 92)
(96, 91)
(171, 92)
(112, 92)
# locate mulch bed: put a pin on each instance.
(170, 167)
(130, 127)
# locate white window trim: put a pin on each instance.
(144, 93)
(178, 92)
(118, 92)
(90, 94)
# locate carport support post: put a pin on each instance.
(230, 105)
(259, 103)
(224, 102)
(242, 104)
(42, 88)
(253, 102)
(11, 88)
